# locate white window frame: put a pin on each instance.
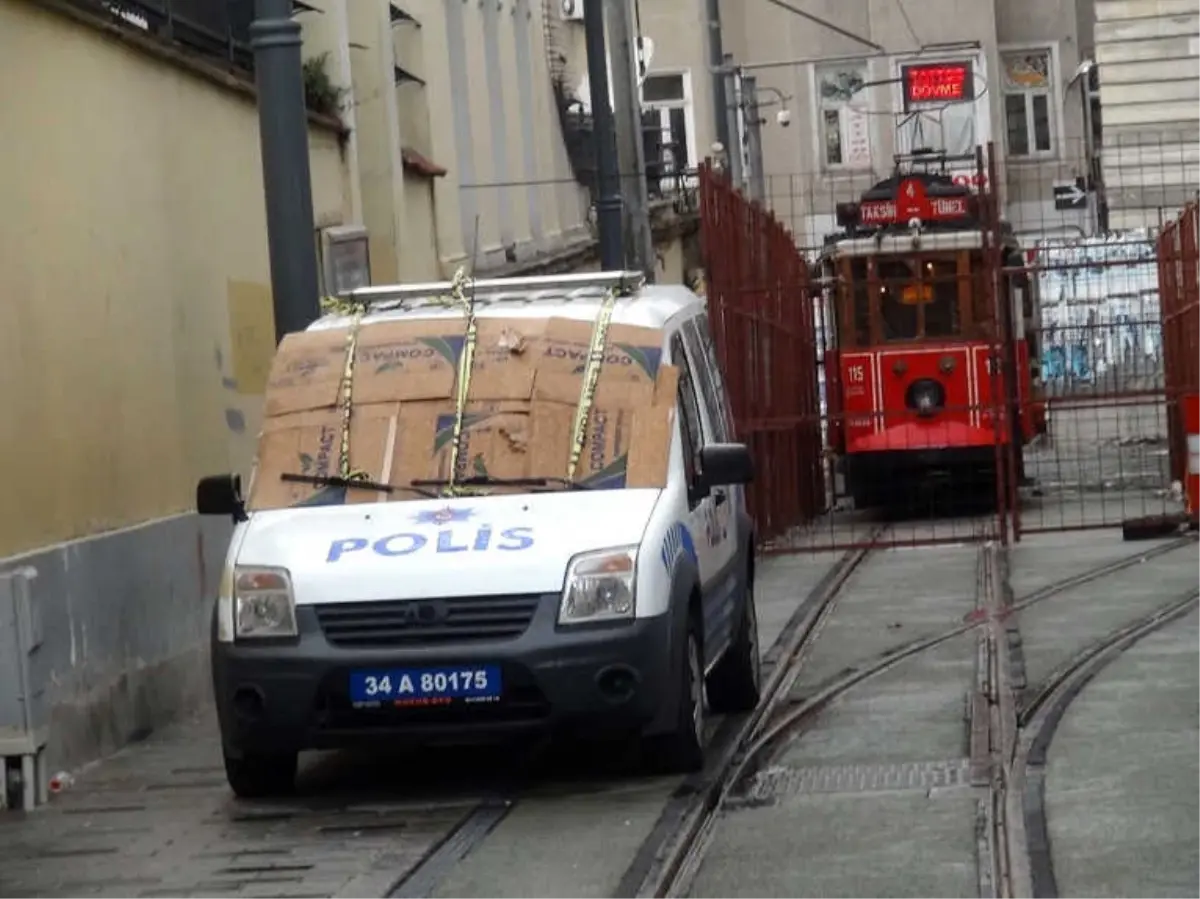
(664, 107)
(820, 105)
(980, 108)
(1053, 102)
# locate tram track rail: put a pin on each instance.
(1039, 717)
(677, 855)
(695, 805)
(474, 826)
(672, 852)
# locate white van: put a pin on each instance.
(553, 606)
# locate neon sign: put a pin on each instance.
(940, 82)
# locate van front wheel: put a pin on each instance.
(734, 684)
(682, 749)
(254, 776)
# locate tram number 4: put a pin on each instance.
(857, 374)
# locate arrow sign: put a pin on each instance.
(1069, 195)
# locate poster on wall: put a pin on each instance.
(857, 138)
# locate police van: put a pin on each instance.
(481, 510)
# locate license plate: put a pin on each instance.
(405, 687)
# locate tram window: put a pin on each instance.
(898, 318)
(862, 313)
(862, 304)
(919, 298)
(983, 312)
(941, 313)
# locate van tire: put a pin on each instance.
(734, 685)
(255, 776)
(681, 750)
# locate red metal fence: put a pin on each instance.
(762, 323)
(1179, 288)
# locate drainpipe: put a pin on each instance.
(287, 181)
(608, 202)
(716, 64)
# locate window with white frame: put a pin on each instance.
(1027, 92)
(669, 126)
(843, 124)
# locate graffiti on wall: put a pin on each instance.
(1100, 309)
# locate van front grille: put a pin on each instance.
(414, 622)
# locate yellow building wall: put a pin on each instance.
(135, 316)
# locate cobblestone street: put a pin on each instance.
(875, 798)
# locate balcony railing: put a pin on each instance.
(668, 176)
(216, 30)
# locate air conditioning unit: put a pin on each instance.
(345, 258)
(572, 10)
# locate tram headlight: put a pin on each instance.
(926, 397)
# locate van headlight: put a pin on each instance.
(263, 603)
(599, 587)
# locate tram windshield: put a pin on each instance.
(907, 298)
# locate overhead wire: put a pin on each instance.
(825, 23)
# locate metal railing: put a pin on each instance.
(217, 30)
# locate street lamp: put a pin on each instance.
(1094, 176)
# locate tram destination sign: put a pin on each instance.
(912, 203)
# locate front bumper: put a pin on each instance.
(294, 695)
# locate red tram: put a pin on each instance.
(915, 369)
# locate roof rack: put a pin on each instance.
(532, 289)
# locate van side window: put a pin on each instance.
(689, 411)
(709, 380)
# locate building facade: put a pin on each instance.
(1091, 104)
(455, 139)
(1148, 89)
(943, 74)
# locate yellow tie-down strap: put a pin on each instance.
(355, 309)
(458, 297)
(466, 364)
(591, 376)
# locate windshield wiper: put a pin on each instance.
(487, 481)
(338, 481)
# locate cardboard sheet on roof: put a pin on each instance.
(394, 362)
(309, 443)
(524, 388)
(623, 446)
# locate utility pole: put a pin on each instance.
(631, 153)
(287, 182)
(608, 176)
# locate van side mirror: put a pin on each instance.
(221, 494)
(725, 464)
